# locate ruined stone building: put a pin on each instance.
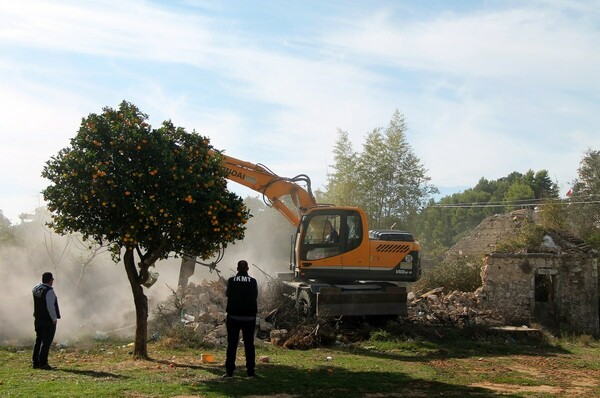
(559, 287)
(559, 291)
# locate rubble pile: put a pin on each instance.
(566, 243)
(308, 335)
(202, 308)
(458, 309)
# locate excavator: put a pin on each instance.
(338, 267)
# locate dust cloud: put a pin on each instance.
(266, 245)
(93, 292)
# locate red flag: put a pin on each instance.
(570, 192)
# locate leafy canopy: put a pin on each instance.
(386, 179)
(584, 215)
(125, 184)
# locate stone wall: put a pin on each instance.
(557, 290)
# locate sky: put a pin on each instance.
(486, 87)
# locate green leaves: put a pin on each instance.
(386, 178)
(159, 190)
(462, 274)
(584, 214)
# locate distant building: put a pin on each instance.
(557, 285)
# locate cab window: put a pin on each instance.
(331, 234)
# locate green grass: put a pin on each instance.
(449, 366)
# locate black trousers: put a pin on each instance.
(233, 337)
(44, 334)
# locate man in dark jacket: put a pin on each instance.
(46, 314)
(242, 295)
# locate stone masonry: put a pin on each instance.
(557, 290)
(556, 285)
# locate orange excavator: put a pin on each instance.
(337, 265)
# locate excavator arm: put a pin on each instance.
(274, 188)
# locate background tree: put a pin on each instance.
(373, 172)
(584, 212)
(142, 191)
(542, 185)
(441, 224)
(518, 193)
(342, 182)
(386, 179)
(392, 177)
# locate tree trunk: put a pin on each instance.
(140, 350)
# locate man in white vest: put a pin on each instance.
(46, 314)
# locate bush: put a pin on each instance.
(381, 335)
(459, 273)
(528, 239)
(593, 239)
(553, 215)
(167, 323)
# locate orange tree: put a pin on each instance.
(142, 191)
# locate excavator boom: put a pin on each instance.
(274, 188)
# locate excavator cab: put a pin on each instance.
(334, 245)
(329, 233)
(327, 238)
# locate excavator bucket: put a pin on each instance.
(361, 300)
(188, 265)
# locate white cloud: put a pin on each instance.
(133, 29)
(525, 44)
(497, 88)
(478, 89)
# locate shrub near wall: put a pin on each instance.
(457, 273)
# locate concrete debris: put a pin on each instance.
(264, 326)
(548, 245)
(459, 309)
(202, 308)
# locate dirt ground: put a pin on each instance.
(561, 379)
